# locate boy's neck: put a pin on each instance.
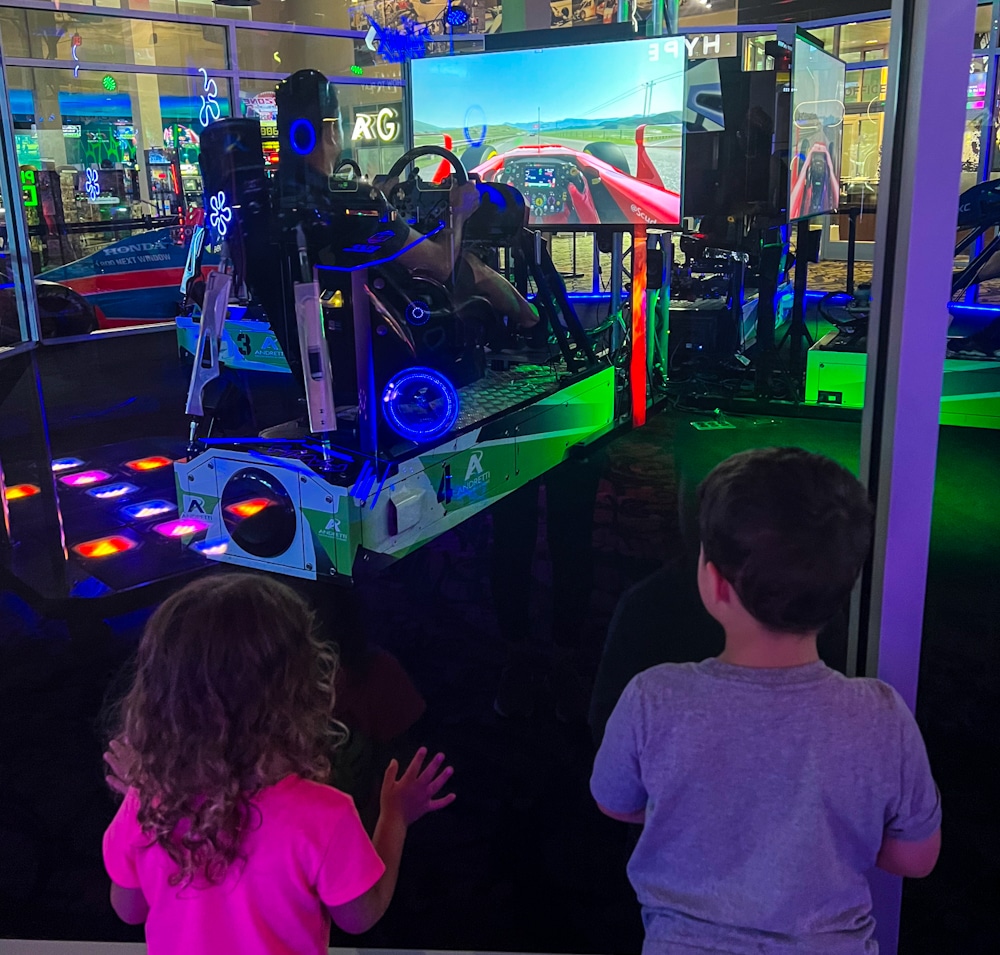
(755, 646)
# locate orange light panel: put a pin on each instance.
(149, 464)
(249, 508)
(104, 547)
(18, 491)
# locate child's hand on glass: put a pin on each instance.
(121, 759)
(411, 796)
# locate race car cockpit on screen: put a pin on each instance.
(590, 134)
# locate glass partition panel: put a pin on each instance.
(10, 324)
(984, 25)
(707, 13)
(56, 35)
(263, 51)
(860, 42)
(115, 160)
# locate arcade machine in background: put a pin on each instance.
(817, 126)
(722, 317)
(163, 176)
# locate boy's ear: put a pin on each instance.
(721, 590)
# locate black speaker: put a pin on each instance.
(232, 162)
(306, 101)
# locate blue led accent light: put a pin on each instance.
(364, 483)
(456, 17)
(418, 313)
(210, 109)
(220, 215)
(302, 136)
(146, 510)
(66, 464)
(373, 262)
(211, 548)
(93, 185)
(385, 476)
(111, 492)
(420, 404)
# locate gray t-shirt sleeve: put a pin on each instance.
(616, 782)
(915, 813)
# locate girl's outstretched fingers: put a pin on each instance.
(120, 759)
(412, 795)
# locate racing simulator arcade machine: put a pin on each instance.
(412, 424)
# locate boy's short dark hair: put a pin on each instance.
(790, 531)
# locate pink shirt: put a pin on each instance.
(309, 851)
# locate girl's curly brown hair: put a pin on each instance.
(233, 690)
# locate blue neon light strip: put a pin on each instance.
(226, 442)
(379, 491)
(388, 258)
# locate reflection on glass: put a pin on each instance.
(976, 118)
(863, 42)
(114, 189)
(53, 35)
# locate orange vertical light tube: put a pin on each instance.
(637, 364)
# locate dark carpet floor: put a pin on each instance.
(522, 861)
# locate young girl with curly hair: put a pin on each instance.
(229, 838)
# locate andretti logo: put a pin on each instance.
(333, 530)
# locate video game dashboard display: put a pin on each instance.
(545, 188)
(818, 81)
(604, 150)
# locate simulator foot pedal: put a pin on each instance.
(713, 425)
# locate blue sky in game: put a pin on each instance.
(592, 82)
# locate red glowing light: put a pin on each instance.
(104, 547)
(18, 491)
(249, 508)
(149, 464)
(83, 478)
(183, 527)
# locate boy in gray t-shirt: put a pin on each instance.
(768, 784)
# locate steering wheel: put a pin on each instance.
(423, 206)
(461, 176)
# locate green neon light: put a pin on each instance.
(109, 83)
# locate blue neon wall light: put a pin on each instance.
(299, 127)
(409, 383)
(220, 215)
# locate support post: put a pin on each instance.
(616, 290)
(925, 120)
(638, 375)
(798, 334)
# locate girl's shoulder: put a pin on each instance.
(307, 794)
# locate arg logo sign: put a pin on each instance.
(382, 126)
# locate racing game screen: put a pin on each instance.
(589, 134)
(817, 131)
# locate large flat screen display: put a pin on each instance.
(589, 134)
(817, 131)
